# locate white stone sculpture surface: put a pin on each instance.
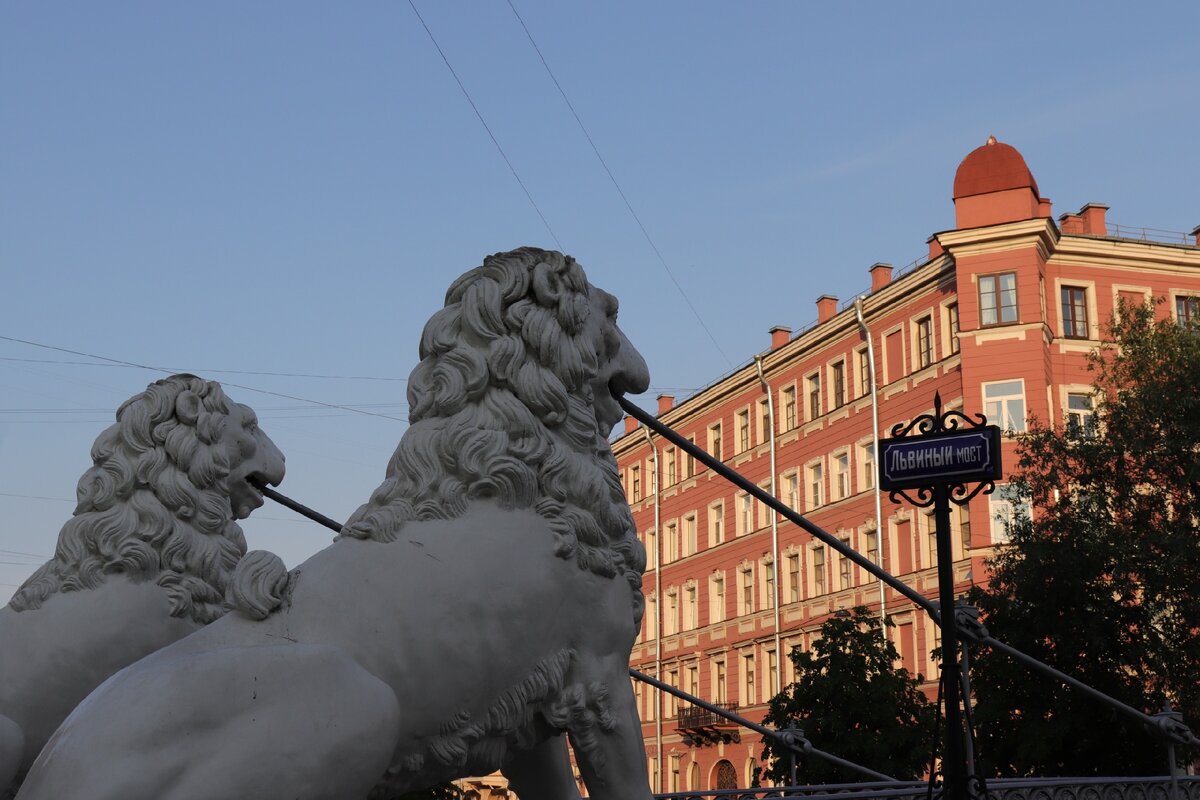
(479, 609)
(145, 560)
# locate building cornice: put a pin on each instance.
(1040, 233)
(1095, 251)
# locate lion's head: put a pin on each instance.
(167, 482)
(512, 402)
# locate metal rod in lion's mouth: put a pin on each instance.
(283, 500)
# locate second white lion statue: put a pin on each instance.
(479, 609)
(146, 559)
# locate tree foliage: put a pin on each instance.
(851, 701)
(1102, 582)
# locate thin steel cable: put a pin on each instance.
(171, 372)
(210, 371)
(616, 185)
(483, 122)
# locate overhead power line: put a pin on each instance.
(483, 122)
(617, 186)
(210, 371)
(171, 372)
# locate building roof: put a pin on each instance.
(993, 167)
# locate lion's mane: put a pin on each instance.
(154, 505)
(501, 409)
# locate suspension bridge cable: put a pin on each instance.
(483, 122)
(171, 372)
(616, 185)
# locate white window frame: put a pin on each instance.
(1000, 407)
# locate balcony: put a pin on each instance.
(701, 727)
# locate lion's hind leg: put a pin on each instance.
(12, 753)
(295, 722)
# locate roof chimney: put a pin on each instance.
(1093, 219)
(631, 424)
(826, 307)
(881, 275)
(665, 403)
(935, 247)
(780, 335)
(1196, 234)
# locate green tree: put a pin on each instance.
(1101, 582)
(851, 701)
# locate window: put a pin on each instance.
(791, 490)
(764, 422)
(1187, 310)
(670, 542)
(838, 370)
(772, 670)
(789, 407)
(670, 468)
(845, 567)
(672, 701)
(1006, 506)
(1081, 423)
(815, 485)
(866, 466)
(689, 609)
(689, 535)
(864, 373)
(813, 388)
(818, 568)
(714, 441)
(651, 617)
(952, 326)
(749, 692)
(719, 681)
(691, 683)
(673, 783)
(745, 518)
(1074, 311)
(841, 475)
(716, 524)
(769, 583)
(873, 549)
(1004, 404)
(924, 342)
(635, 484)
(793, 577)
(651, 549)
(964, 526)
(689, 463)
(671, 615)
(743, 430)
(998, 299)
(746, 590)
(716, 597)
(931, 558)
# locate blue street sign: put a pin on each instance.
(951, 457)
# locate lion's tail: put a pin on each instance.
(258, 584)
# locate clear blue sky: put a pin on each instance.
(290, 187)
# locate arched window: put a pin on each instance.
(726, 776)
(693, 779)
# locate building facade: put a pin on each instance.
(998, 319)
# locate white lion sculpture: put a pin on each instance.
(145, 560)
(481, 605)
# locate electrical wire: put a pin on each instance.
(170, 372)
(213, 371)
(483, 122)
(617, 186)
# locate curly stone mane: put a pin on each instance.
(153, 506)
(501, 410)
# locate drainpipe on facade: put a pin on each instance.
(777, 683)
(862, 325)
(658, 695)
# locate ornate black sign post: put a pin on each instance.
(936, 456)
